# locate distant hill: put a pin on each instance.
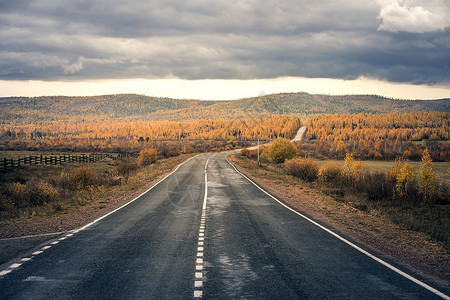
(131, 106)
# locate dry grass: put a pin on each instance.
(441, 168)
(81, 188)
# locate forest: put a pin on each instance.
(125, 135)
(369, 127)
(380, 136)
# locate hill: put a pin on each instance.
(39, 110)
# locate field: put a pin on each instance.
(441, 168)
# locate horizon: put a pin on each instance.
(223, 90)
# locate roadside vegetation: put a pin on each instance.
(43, 191)
(415, 198)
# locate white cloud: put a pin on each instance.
(73, 68)
(397, 17)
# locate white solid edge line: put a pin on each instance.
(131, 201)
(386, 264)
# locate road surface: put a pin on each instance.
(298, 137)
(204, 231)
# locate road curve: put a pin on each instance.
(204, 231)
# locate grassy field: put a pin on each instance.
(441, 168)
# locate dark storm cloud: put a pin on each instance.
(64, 40)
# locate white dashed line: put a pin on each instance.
(4, 272)
(198, 294)
(14, 266)
(198, 284)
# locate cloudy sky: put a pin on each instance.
(225, 49)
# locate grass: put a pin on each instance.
(441, 168)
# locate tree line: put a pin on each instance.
(381, 136)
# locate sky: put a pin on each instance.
(215, 49)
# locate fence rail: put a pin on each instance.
(9, 164)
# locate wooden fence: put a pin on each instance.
(9, 164)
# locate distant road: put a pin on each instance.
(298, 137)
(204, 231)
(300, 133)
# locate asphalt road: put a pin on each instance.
(204, 231)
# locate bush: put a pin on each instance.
(329, 173)
(280, 150)
(353, 171)
(32, 193)
(147, 157)
(303, 168)
(125, 167)
(82, 177)
(377, 186)
(5, 202)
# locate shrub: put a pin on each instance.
(32, 193)
(83, 177)
(353, 170)
(5, 203)
(329, 173)
(280, 150)
(249, 153)
(376, 186)
(304, 168)
(42, 192)
(125, 167)
(147, 156)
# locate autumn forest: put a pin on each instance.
(371, 127)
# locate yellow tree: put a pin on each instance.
(403, 180)
(427, 177)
